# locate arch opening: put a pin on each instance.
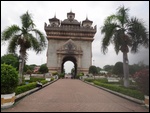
(74, 61)
(68, 66)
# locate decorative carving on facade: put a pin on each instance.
(69, 47)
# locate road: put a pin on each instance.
(71, 95)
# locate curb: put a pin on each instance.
(20, 96)
(116, 93)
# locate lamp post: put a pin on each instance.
(93, 62)
(20, 70)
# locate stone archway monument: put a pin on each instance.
(69, 40)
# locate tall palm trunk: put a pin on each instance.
(125, 69)
(20, 71)
(21, 67)
(23, 62)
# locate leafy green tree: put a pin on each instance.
(108, 68)
(98, 69)
(72, 71)
(124, 32)
(29, 72)
(24, 38)
(64, 71)
(26, 67)
(43, 69)
(29, 67)
(136, 67)
(32, 66)
(118, 69)
(93, 70)
(11, 59)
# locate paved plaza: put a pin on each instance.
(71, 95)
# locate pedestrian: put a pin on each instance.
(38, 84)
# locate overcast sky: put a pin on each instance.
(97, 11)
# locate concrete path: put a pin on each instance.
(70, 95)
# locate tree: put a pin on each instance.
(137, 67)
(24, 38)
(11, 59)
(108, 68)
(118, 69)
(142, 79)
(29, 67)
(123, 32)
(64, 71)
(32, 66)
(98, 69)
(72, 71)
(43, 69)
(26, 68)
(93, 70)
(29, 72)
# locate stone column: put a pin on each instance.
(59, 63)
(79, 61)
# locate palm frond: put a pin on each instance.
(40, 37)
(35, 44)
(13, 44)
(108, 30)
(117, 40)
(135, 47)
(27, 21)
(10, 32)
(110, 19)
(139, 34)
(122, 15)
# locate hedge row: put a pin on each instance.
(129, 92)
(102, 80)
(24, 88)
(44, 81)
(27, 87)
(89, 80)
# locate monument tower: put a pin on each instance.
(69, 40)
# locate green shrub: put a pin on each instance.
(27, 87)
(55, 73)
(126, 91)
(52, 79)
(142, 79)
(102, 80)
(79, 75)
(9, 79)
(89, 80)
(61, 75)
(29, 72)
(44, 82)
(24, 88)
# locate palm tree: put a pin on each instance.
(24, 38)
(123, 32)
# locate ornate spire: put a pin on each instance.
(87, 22)
(54, 21)
(86, 17)
(71, 15)
(55, 15)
